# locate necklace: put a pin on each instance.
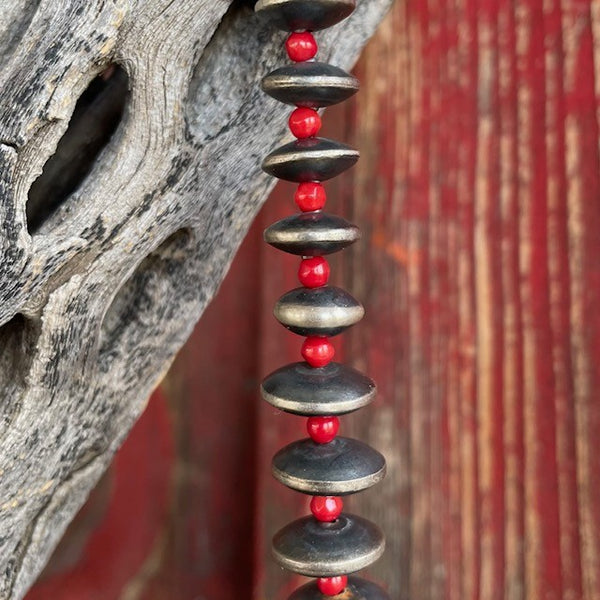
(330, 544)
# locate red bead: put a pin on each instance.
(313, 272)
(326, 508)
(332, 586)
(305, 122)
(310, 196)
(317, 351)
(322, 430)
(301, 46)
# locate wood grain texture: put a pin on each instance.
(478, 190)
(96, 301)
(477, 194)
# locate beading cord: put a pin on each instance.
(330, 544)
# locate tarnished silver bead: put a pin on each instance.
(357, 589)
(295, 15)
(311, 234)
(323, 311)
(343, 466)
(317, 549)
(312, 84)
(331, 390)
(312, 159)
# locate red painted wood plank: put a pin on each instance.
(466, 333)
(543, 569)
(490, 309)
(559, 281)
(583, 189)
(514, 451)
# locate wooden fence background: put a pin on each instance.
(478, 194)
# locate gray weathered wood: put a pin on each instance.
(97, 300)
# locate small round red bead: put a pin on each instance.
(326, 508)
(332, 586)
(317, 351)
(301, 46)
(305, 122)
(310, 196)
(322, 430)
(313, 272)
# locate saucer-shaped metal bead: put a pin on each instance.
(324, 311)
(312, 159)
(317, 549)
(311, 84)
(356, 589)
(312, 15)
(331, 390)
(311, 234)
(344, 466)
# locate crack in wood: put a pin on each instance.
(185, 154)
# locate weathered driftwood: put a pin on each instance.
(106, 270)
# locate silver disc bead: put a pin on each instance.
(310, 84)
(357, 589)
(311, 234)
(334, 389)
(316, 549)
(343, 466)
(312, 15)
(324, 311)
(312, 159)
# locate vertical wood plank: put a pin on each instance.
(489, 310)
(559, 300)
(513, 370)
(507, 153)
(582, 168)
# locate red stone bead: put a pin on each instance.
(332, 586)
(322, 430)
(326, 508)
(310, 196)
(301, 46)
(305, 122)
(313, 272)
(317, 351)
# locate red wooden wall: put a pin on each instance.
(478, 194)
